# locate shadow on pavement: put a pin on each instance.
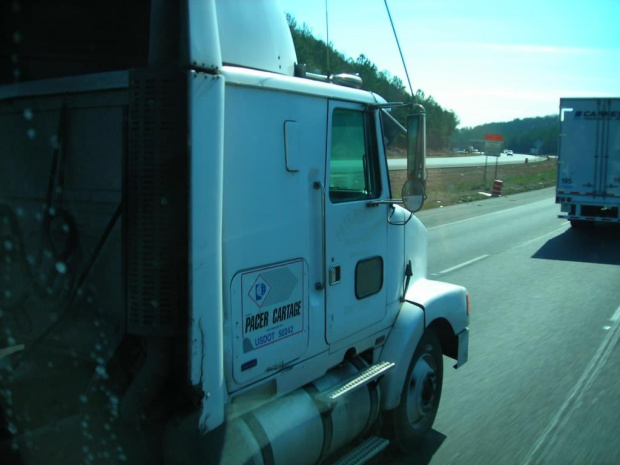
(598, 243)
(393, 456)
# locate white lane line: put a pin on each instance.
(616, 315)
(461, 265)
(550, 233)
(575, 397)
(486, 214)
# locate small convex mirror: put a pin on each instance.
(413, 195)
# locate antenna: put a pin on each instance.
(399, 49)
(327, 27)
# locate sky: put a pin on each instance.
(486, 61)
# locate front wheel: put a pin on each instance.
(413, 419)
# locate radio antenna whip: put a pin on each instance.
(399, 49)
(327, 28)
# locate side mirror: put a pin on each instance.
(416, 144)
(413, 195)
(414, 188)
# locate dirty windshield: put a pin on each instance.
(204, 257)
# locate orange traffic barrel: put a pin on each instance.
(497, 188)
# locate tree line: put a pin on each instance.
(520, 135)
(539, 134)
(314, 54)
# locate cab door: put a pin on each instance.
(356, 232)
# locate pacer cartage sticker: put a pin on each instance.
(273, 304)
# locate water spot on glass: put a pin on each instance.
(84, 424)
(8, 245)
(17, 37)
(50, 364)
(154, 304)
(38, 217)
(52, 211)
(1, 313)
(98, 347)
(48, 253)
(28, 114)
(17, 73)
(14, 446)
(122, 458)
(61, 267)
(83, 399)
(11, 341)
(19, 212)
(85, 449)
(31, 133)
(7, 294)
(54, 141)
(101, 372)
(65, 227)
(97, 323)
(12, 429)
(14, 58)
(30, 259)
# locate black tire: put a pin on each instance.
(412, 420)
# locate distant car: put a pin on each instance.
(508, 152)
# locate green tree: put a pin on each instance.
(316, 54)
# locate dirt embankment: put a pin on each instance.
(450, 186)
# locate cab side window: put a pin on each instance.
(353, 165)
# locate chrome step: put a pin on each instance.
(360, 379)
(364, 452)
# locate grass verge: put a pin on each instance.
(451, 186)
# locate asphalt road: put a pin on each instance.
(459, 162)
(542, 381)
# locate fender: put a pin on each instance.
(399, 347)
(426, 301)
(440, 300)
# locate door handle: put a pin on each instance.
(321, 285)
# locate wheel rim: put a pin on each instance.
(422, 391)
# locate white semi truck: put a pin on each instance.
(588, 185)
(200, 258)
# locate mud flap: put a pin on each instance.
(463, 353)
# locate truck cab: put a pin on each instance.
(202, 252)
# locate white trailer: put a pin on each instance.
(201, 261)
(588, 184)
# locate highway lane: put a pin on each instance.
(540, 385)
(460, 162)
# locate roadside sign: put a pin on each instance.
(493, 144)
